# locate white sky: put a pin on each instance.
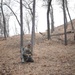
(42, 24)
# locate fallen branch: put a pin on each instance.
(42, 34)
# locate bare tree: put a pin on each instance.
(8, 12)
(1, 23)
(12, 12)
(4, 22)
(67, 9)
(48, 4)
(66, 5)
(30, 7)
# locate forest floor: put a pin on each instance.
(51, 57)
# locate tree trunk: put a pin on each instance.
(4, 23)
(21, 24)
(7, 25)
(33, 26)
(66, 19)
(52, 19)
(48, 23)
(64, 13)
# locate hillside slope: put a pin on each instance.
(51, 57)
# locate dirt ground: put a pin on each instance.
(50, 57)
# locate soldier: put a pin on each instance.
(27, 54)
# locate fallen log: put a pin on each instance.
(68, 32)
